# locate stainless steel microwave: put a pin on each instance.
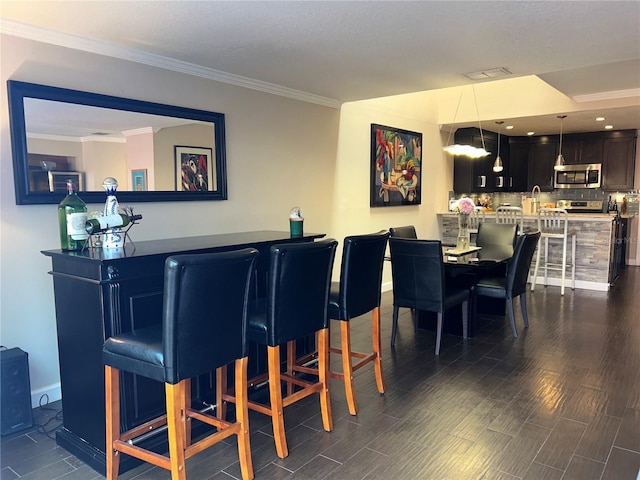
(587, 175)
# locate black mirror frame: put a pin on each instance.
(18, 91)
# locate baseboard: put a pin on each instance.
(53, 392)
(582, 284)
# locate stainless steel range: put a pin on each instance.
(581, 206)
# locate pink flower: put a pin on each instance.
(465, 206)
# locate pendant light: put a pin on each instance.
(560, 159)
(497, 165)
(466, 150)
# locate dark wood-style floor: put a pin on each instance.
(562, 401)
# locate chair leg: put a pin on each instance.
(564, 264)
(439, 332)
(546, 260)
(186, 420)
(175, 413)
(512, 319)
(242, 417)
(377, 348)
(394, 325)
(275, 397)
(573, 262)
(347, 366)
(535, 269)
(465, 320)
(523, 307)
(291, 360)
(323, 374)
(221, 390)
(112, 400)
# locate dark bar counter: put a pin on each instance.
(102, 292)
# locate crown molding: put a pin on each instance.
(99, 47)
(614, 94)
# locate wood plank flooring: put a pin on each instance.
(562, 401)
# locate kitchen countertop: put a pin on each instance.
(600, 217)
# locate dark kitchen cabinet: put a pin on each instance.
(618, 160)
(102, 292)
(517, 164)
(582, 148)
(475, 174)
(541, 159)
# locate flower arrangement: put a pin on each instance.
(465, 206)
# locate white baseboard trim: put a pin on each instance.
(582, 284)
(54, 392)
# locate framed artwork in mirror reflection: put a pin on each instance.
(195, 169)
(139, 180)
(396, 161)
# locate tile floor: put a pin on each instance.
(562, 401)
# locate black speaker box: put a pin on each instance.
(15, 391)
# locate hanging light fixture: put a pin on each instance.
(497, 165)
(560, 158)
(466, 150)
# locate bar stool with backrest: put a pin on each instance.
(358, 292)
(203, 328)
(514, 283)
(553, 223)
(513, 215)
(296, 307)
(419, 283)
(475, 219)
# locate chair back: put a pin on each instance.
(511, 215)
(475, 219)
(553, 221)
(204, 320)
(360, 287)
(518, 267)
(408, 231)
(298, 289)
(418, 274)
(496, 234)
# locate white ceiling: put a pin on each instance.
(337, 51)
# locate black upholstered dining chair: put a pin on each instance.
(419, 283)
(407, 231)
(514, 284)
(296, 307)
(496, 234)
(203, 328)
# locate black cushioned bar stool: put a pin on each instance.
(296, 307)
(203, 328)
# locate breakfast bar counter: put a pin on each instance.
(595, 242)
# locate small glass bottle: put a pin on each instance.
(72, 216)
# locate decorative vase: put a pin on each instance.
(463, 241)
(114, 237)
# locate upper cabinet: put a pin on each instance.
(475, 174)
(543, 151)
(582, 148)
(618, 160)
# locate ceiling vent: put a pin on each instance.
(490, 73)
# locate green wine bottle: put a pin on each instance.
(108, 222)
(72, 216)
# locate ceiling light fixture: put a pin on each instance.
(608, 127)
(509, 127)
(600, 119)
(497, 165)
(560, 158)
(466, 150)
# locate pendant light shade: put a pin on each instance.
(497, 165)
(560, 158)
(466, 150)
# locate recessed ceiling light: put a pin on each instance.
(608, 127)
(600, 119)
(509, 127)
(531, 133)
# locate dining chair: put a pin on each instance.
(408, 231)
(505, 214)
(553, 223)
(203, 329)
(419, 283)
(514, 283)
(296, 307)
(496, 234)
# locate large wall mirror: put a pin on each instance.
(157, 152)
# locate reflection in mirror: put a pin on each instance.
(157, 152)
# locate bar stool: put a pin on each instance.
(358, 292)
(554, 223)
(511, 215)
(475, 219)
(203, 328)
(296, 307)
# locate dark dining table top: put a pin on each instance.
(488, 255)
